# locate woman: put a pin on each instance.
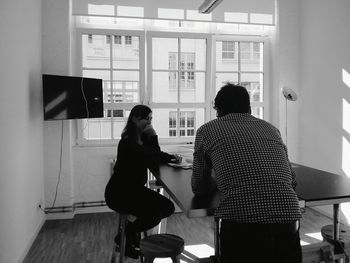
(125, 192)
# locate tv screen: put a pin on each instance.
(67, 97)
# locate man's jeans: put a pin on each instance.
(255, 243)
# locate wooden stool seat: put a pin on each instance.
(328, 234)
(162, 246)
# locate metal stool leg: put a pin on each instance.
(123, 220)
(176, 259)
(149, 260)
(122, 225)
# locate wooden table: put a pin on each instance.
(315, 187)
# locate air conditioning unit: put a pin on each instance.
(208, 6)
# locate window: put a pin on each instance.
(119, 68)
(186, 72)
(118, 40)
(228, 50)
(186, 124)
(247, 69)
(128, 40)
(180, 84)
(115, 113)
(108, 39)
(172, 123)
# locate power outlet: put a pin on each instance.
(40, 205)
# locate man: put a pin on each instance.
(259, 209)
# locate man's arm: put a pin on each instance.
(294, 180)
(201, 181)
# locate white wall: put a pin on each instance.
(311, 54)
(285, 73)
(85, 170)
(324, 54)
(56, 53)
(308, 53)
(21, 132)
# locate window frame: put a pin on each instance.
(145, 76)
(206, 105)
(109, 106)
(266, 91)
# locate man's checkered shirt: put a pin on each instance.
(251, 167)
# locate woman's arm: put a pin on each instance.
(150, 140)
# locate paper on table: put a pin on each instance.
(185, 164)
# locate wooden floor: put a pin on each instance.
(89, 237)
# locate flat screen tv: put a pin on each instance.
(67, 97)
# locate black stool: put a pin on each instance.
(162, 246)
(327, 233)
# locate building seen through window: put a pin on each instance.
(173, 77)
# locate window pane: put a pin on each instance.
(118, 126)
(99, 128)
(226, 56)
(223, 78)
(118, 40)
(258, 112)
(189, 120)
(126, 86)
(251, 56)
(192, 87)
(119, 123)
(172, 119)
(163, 48)
(254, 85)
(164, 87)
(105, 76)
(96, 51)
(196, 53)
(182, 120)
(126, 54)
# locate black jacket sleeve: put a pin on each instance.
(151, 142)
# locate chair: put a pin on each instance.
(152, 182)
(326, 252)
(318, 252)
(162, 246)
(327, 233)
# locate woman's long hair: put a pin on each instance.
(139, 111)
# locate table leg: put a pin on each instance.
(336, 215)
(336, 227)
(217, 239)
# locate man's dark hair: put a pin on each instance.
(232, 98)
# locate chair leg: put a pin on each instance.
(122, 225)
(176, 259)
(114, 257)
(149, 259)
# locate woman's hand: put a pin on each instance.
(149, 131)
(177, 158)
